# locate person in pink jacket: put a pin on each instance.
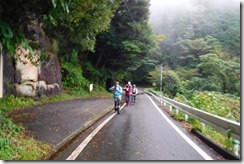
(128, 93)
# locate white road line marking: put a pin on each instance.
(198, 149)
(79, 149)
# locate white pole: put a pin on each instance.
(186, 117)
(203, 126)
(91, 87)
(177, 111)
(1, 70)
(236, 144)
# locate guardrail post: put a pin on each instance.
(203, 126)
(177, 111)
(170, 108)
(219, 123)
(236, 145)
(186, 117)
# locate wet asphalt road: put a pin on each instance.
(138, 133)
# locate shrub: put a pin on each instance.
(72, 78)
(217, 103)
(202, 84)
(171, 84)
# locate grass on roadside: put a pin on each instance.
(215, 103)
(214, 135)
(15, 142)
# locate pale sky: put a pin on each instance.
(160, 6)
(157, 5)
(168, 3)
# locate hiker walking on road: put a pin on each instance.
(128, 92)
(134, 93)
(117, 89)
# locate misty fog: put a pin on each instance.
(169, 9)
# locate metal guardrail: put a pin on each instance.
(217, 122)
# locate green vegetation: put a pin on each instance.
(200, 55)
(10, 38)
(199, 48)
(15, 141)
(219, 138)
(226, 106)
(88, 37)
(125, 46)
(171, 84)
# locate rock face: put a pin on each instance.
(27, 79)
(9, 75)
(24, 64)
(34, 77)
(29, 75)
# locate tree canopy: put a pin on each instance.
(110, 38)
(202, 44)
(128, 41)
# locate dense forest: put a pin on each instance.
(198, 57)
(98, 42)
(95, 42)
(200, 53)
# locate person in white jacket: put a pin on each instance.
(134, 93)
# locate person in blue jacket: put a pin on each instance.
(117, 90)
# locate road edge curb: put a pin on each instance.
(75, 134)
(214, 146)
